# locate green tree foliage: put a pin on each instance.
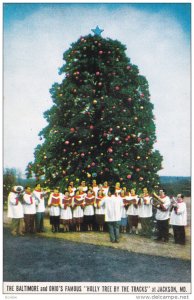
(9, 180)
(101, 125)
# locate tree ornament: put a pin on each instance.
(95, 102)
(110, 150)
(129, 176)
(110, 160)
(67, 142)
(97, 31)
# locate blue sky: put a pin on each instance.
(157, 37)
(180, 11)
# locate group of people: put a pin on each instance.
(120, 209)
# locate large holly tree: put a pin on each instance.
(101, 125)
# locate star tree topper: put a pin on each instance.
(97, 31)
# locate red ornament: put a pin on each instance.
(110, 160)
(67, 142)
(93, 164)
(110, 150)
(128, 67)
(147, 139)
(97, 73)
(129, 176)
(82, 154)
(137, 169)
(140, 178)
(91, 127)
(72, 129)
(100, 52)
(117, 88)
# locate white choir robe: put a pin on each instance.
(105, 190)
(54, 210)
(15, 209)
(78, 210)
(99, 211)
(164, 215)
(145, 210)
(65, 213)
(29, 206)
(89, 209)
(40, 202)
(179, 218)
(113, 207)
(132, 210)
(95, 190)
(123, 209)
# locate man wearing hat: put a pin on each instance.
(15, 210)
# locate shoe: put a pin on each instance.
(14, 233)
(158, 239)
(21, 234)
(136, 231)
(116, 241)
(112, 241)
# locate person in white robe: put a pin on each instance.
(29, 207)
(178, 220)
(113, 208)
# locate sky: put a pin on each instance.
(157, 37)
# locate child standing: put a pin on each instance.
(133, 212)
(123, 213)
(66, 212)
(54, 204)
(100, 211)
(78, 204)
(89, 210)
(178, 219)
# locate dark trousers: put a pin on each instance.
(39, 221)
(179, 234)
(29, 221)
(55, 222)
(133, 221)
(146, 226)
(113, 228)
(163, 230)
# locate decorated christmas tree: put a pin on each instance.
(101, 125)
